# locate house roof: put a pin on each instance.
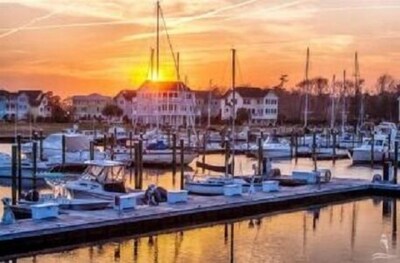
(164, 86)
(205, 94)
(127, 94)
(91, 96)
(34, 96)
(250, 92)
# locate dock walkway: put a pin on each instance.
(75, 227)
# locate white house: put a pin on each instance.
(24, 104)
(165, 103)
(89, 106)
(126, 101)
(208, 102)
(262, 104)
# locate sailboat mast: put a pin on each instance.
(344, 101)
(358, 93)
(152, 64)
(209, 106)
(307, 88)
(158, 42)
(178, 74)
(233, 108)
(333, 103)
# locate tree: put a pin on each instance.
(385, 83)
(112, 110)
(242, 116)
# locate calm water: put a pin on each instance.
(356, 231)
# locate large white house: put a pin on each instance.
(165, 103)
(24, 104)
(261, 104)
(89, 106)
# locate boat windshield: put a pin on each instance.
(104, 174)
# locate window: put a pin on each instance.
(246, 101)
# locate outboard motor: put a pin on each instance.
(154, 195)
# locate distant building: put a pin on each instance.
(208, 101)
(165, 103)
(126, 101)
(24, 104)
(261, 104)
(90, 106)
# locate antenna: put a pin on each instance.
(307, 88)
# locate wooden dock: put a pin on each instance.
(78, 227)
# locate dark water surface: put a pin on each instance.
(356, 231)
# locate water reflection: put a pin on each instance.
(356, 231)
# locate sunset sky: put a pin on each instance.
(80, 47)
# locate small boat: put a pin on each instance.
(363, 154)
(274, 148)
(101, 179)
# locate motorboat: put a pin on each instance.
(101, 179)
(363, 154)
(274, 148)
(52, 145)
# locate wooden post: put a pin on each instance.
(105, 141)
(34, 164)
(396, 161)
(189, 138)
(182, 164)
(112, 146)
(130, 146)
(174, 153)
(91, 150)
(291, 145)
(115, 137)
(14, 151)
(314, 146)
(136, 163)
(334, 147)
(248, 140)
(260, 155)
(63, 148)
(19, 166)
(227, 153)
(41, 145)
(204, 149)
(140, 158)
(296, 147)
(390, 146)
(372, 150)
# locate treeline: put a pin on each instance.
(350, 99)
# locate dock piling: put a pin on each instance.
(136, 164)
(174, 153)
(296, 146)
(63, 148)
(41, 145)
(291, 145)
(140, 158)
(334, 147)
(14, 151)
(260, 156)
(314, 146)
(182, 164)
(130, 146)
(91, 150)
(396, 161)
(19, 166)
(372, 150)
(34, 165)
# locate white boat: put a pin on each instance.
(101, 179)
(273, 147)
(52, 144)
(363, 154)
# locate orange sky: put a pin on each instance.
(82, 46)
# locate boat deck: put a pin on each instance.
(76, 227)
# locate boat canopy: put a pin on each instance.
(74, 142)
(104, 171)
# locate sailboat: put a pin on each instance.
(214, 185)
